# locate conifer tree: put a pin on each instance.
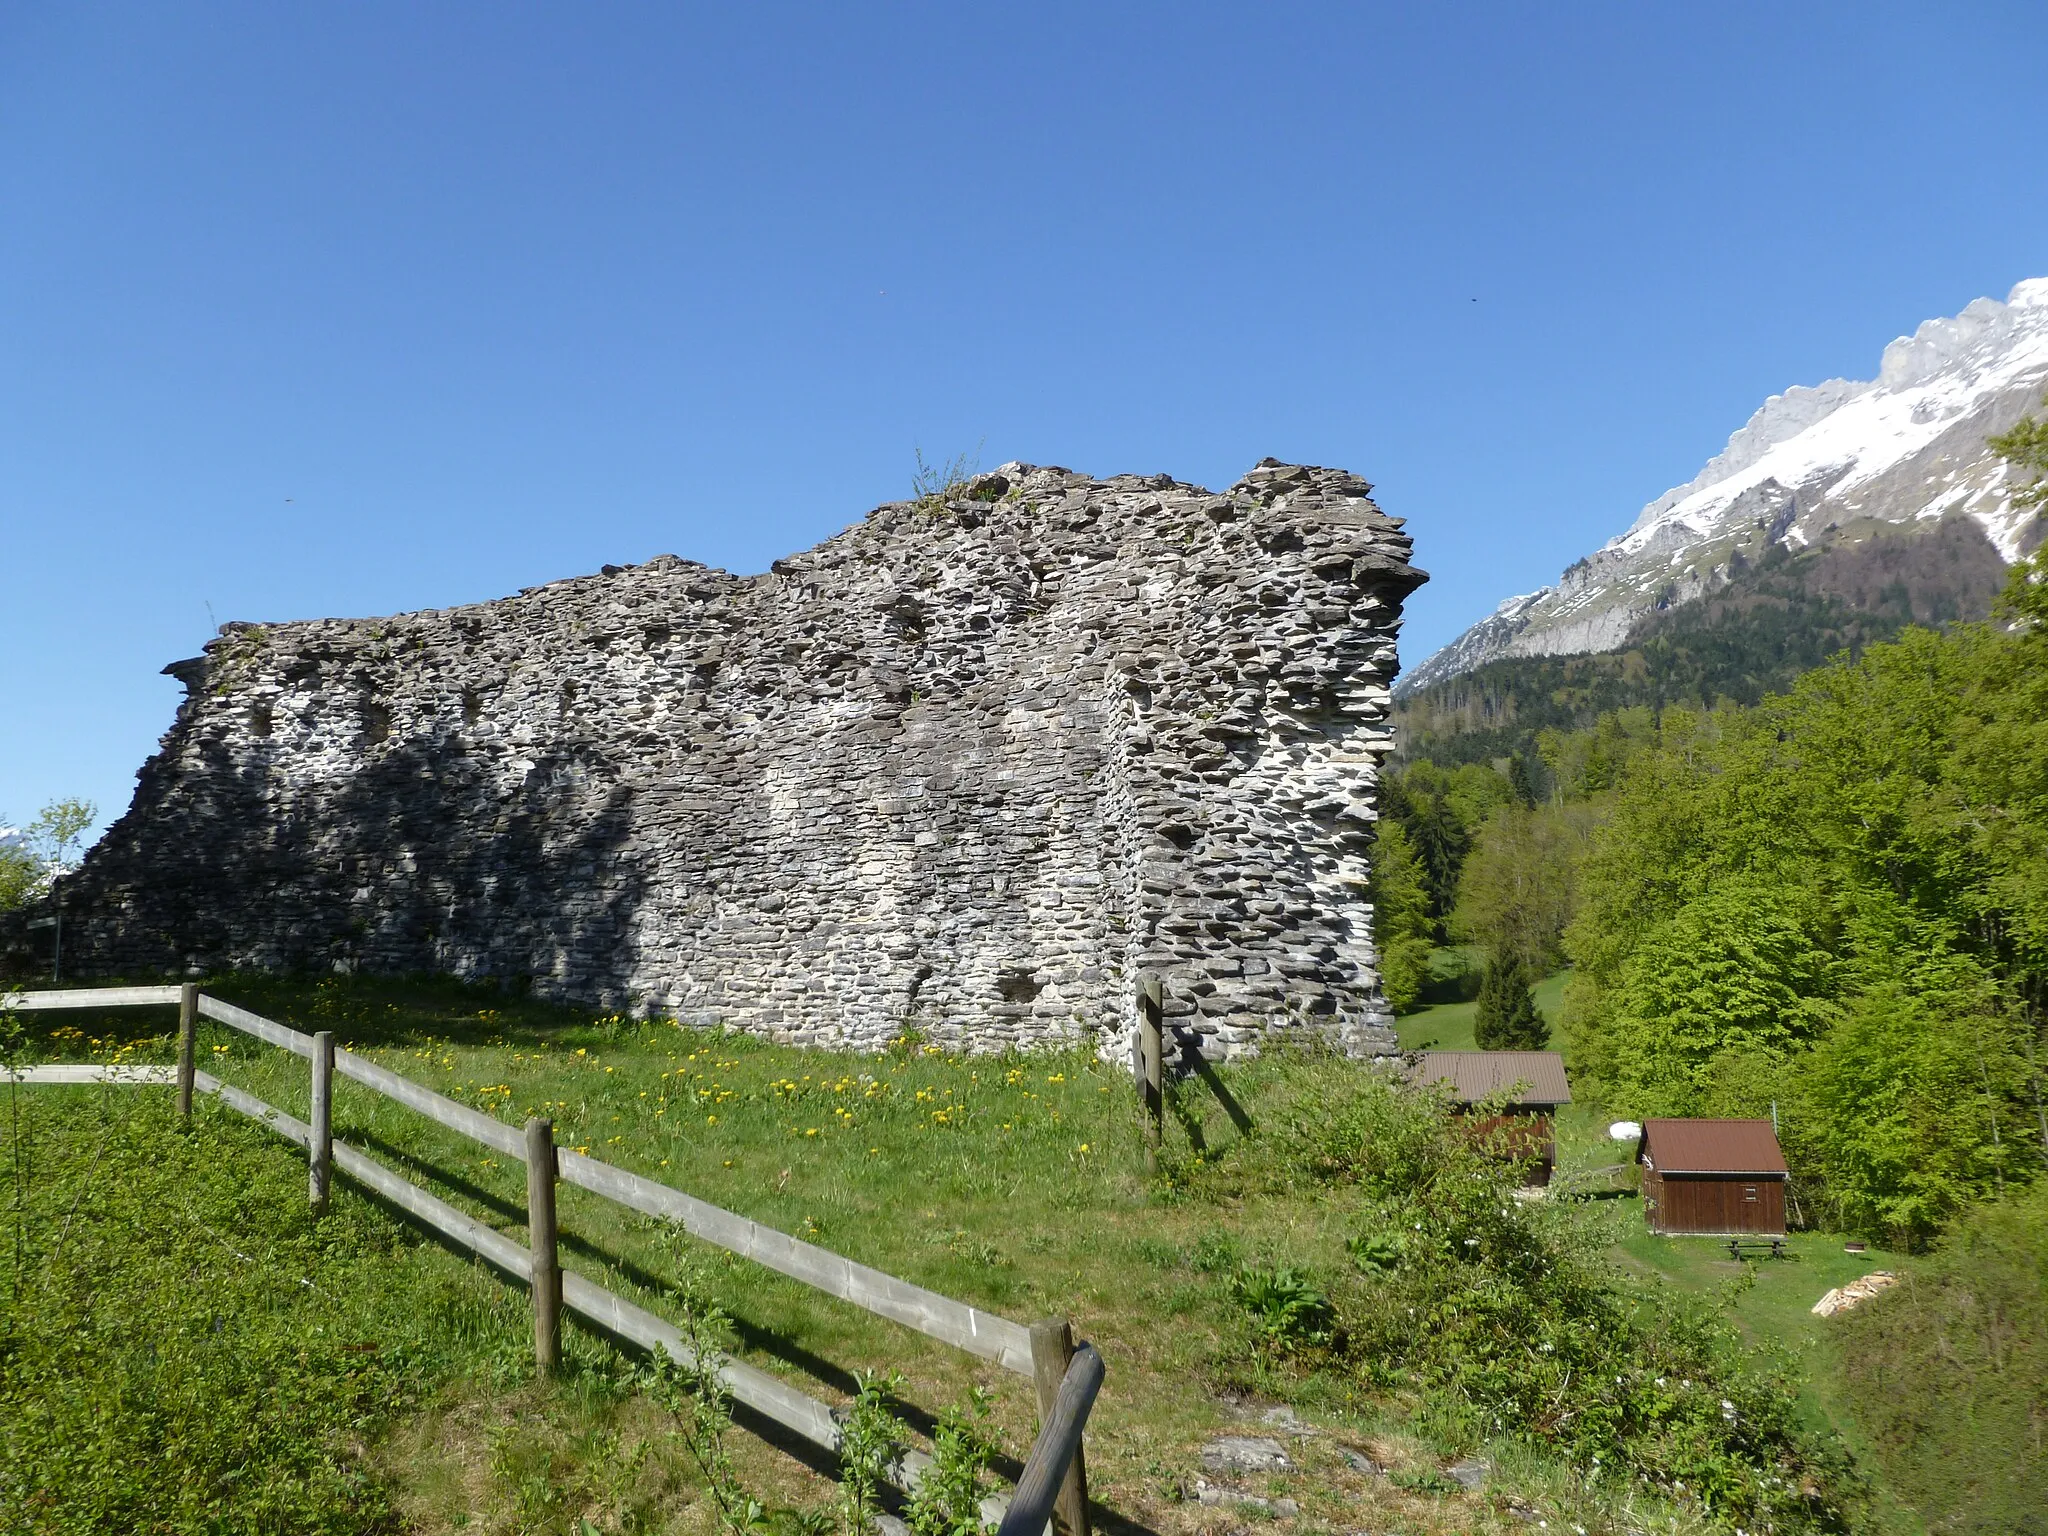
(1507, 1019)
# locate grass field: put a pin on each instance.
(1447, 1025)
(1013, 1183)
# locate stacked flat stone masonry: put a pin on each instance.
(967, 768)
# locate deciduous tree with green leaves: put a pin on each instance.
(1838, 902)
(2025, 448)
(1519, 886)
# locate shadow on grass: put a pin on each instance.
(750, 1336)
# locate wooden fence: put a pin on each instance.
(1062, 1374)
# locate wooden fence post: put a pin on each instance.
(1052, 1347)
(320, 1169)
(188, 1034)
(1152, 1063)
(540, 1228)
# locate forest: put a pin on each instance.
(1825, 905)
(1832, 905)
(1828, 906)
(1780, 615)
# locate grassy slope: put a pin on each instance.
(1448, 1026)
(1772, 1304)
(1011, 1183)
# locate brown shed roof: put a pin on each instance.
(1475, 1075)
(1712, 1146)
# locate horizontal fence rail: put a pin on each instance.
(940, 1317)
(91, 1073)
(993, 1338)
(91, 997)
(756, 1389)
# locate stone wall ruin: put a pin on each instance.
(967, 767)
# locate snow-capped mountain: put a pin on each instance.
(1819, 466)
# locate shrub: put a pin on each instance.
(947, 1499)
(1491, 1317)
(1949, 1372)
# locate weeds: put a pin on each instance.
(870, 1444)
(947, 1499)
(1376, 1252)
(1286, 1311)
(936, 484)
(692, 1391)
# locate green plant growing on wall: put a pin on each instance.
(935, 484)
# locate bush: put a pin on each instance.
(1949, 1372)
(1492, 1317)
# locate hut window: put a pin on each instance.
(1749, 1193)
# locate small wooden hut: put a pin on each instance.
(1538, 1083)
(1717, 1178)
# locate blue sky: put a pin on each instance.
(350, 310)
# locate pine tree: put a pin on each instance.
(1507, 1019)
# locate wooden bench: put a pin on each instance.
(1756, 1247)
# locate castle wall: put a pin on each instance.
(964, 767)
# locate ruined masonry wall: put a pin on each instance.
(965, 767)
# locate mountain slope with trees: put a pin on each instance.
(1813, 470)
(1775, 620)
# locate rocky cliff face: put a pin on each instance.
(1813, 468)
(967, 767)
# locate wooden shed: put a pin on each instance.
(1537, 1081)
(1720, 1178)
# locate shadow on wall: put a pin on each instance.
(420, 861)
